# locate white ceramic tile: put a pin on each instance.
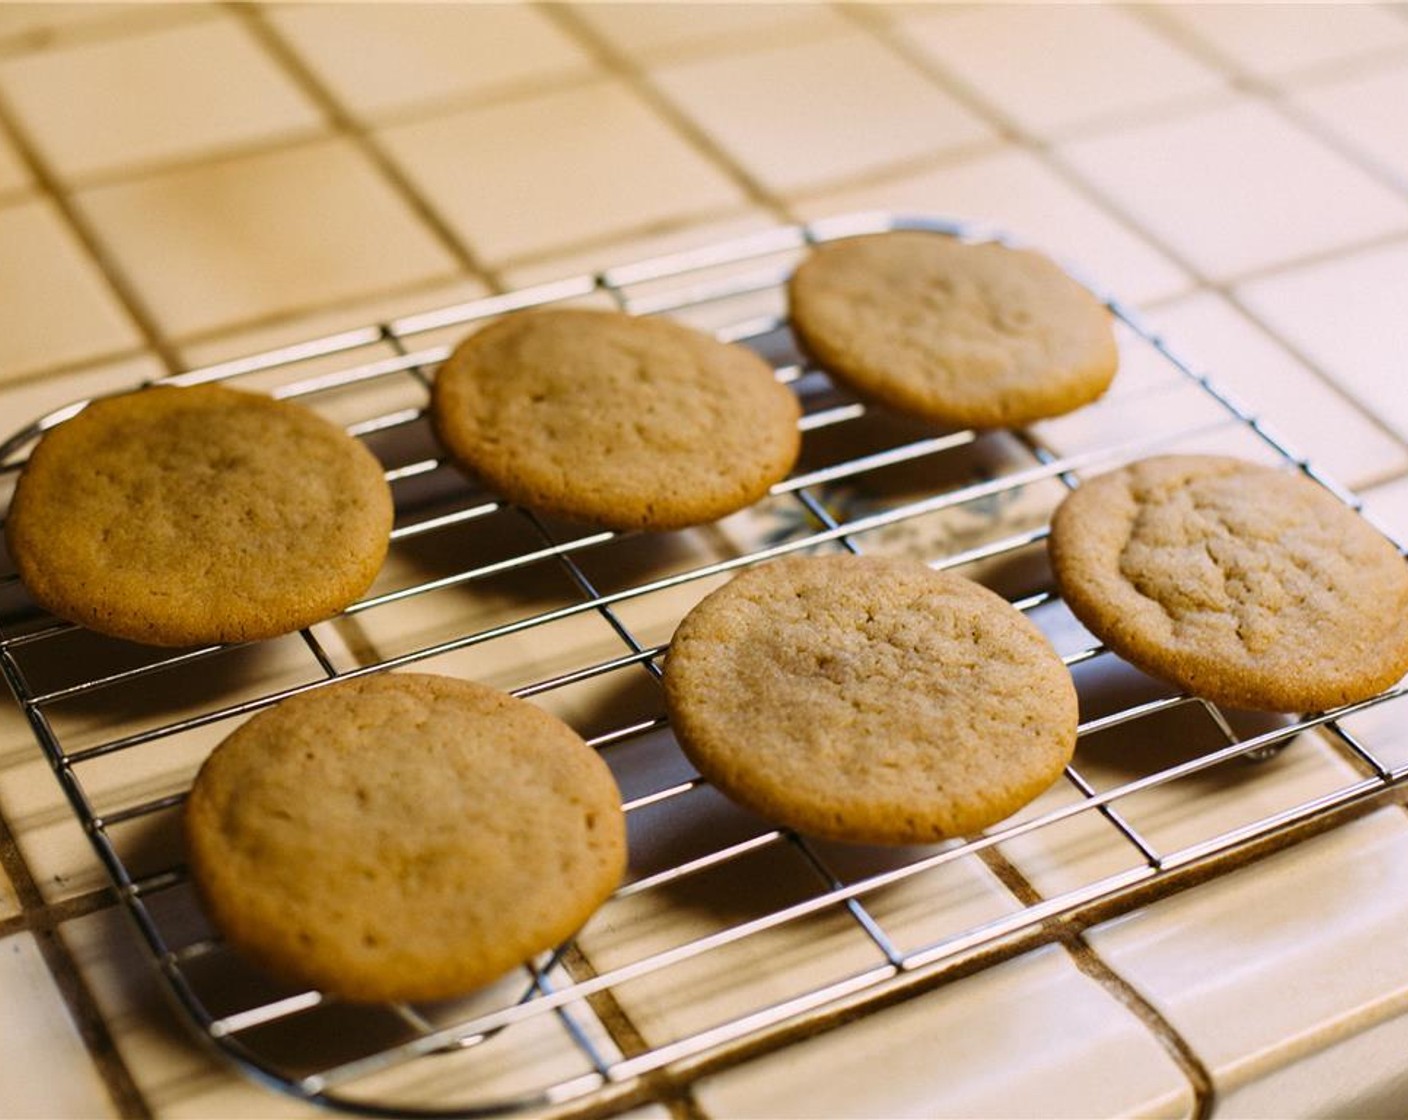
(1255, 978)
(180, 92)
(1388, 505)
(1051, 68)
(1360, 1075)
(427, 53)
(296, 228)
(1366, 112)
(805, 117)
(654, 31)
(1032, 1037)
(44, 1068)
(1278, 39)
(58, 308)
(1237, 189)
(602, 165)
(1319, 422)
(1016, 192)
(1346, 316)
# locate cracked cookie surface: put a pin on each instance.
(618, 420)
(1242, 584)
(869, 699)
(973, 335)
(402, 836)
(183, 516)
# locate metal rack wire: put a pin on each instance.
(692, 966)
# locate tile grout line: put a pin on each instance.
(343, 125)
(48, 186)
(678, 1099)
(1047, 153)
(1275, 99)
(110, 27)
(1090, 964)
(42, 920)
(637, 79)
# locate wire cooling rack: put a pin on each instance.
(729, 937)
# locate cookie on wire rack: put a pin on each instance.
(619, 420)
(869, 699)
(970, 335)
(1242, 584)
(402, 836)
(183, 516)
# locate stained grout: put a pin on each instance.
(48, 186)
(43, 919)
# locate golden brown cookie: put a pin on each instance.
(869, 699)
(184, 516)
(627, 422)
(402, 836)
(972, 335)
(1245, 585)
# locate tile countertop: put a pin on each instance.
(183, 183)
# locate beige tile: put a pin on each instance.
(29, 26)
(1150, 407)
(631, 249)
(1173, 816)
(1052, 68)
(1014, 191)
(44, 823)
(1254, 978)
(601, 165)
(180, 1077)
(14, 175)
(296, 229)
(290, 334)
(44, 1068)
(426, 53)
(1219, 340)
(655, 31)
(1237, 189)
(1346, 317)
(1365, 111)
(1276, 40)
(27, 401)
(176, 1076)
(719, 984)
(58, 308)
(178, 93)
(1032, 1037)
(805, 117)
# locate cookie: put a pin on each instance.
(189, 516)
(968, 335)
(1242, 584)
(402, 836)
(869, 699)
(625, 422)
